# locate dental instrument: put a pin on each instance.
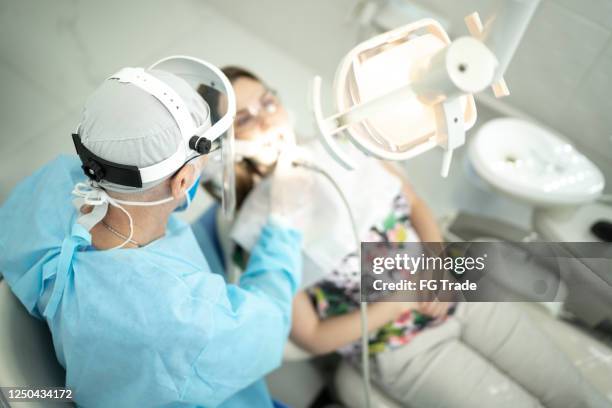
(363, 306)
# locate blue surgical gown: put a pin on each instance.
(151, 326)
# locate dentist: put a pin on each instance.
(136, 315)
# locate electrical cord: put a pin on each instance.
(365, 361)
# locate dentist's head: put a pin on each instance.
(122, 123)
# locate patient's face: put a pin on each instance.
(259, 113)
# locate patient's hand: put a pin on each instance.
(400, 308)
(434, 309)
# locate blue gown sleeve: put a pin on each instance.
(252, 322)
(278, 252)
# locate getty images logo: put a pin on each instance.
(413, 264)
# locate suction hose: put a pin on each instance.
(365, 361)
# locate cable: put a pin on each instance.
(365, 362)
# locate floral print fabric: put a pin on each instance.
(338, 293)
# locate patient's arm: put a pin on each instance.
(323, 336)
(423, 220)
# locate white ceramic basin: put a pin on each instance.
(533, 164)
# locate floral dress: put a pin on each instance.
(338, 293)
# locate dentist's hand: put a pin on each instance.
(290, 192)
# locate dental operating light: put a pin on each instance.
(406, 91)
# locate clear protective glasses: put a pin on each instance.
(267, 104)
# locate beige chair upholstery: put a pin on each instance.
(26, 350)
(592, 358)
(348, 384)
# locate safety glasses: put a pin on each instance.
(267, 104)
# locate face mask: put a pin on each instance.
(189, 195)
(266, 149)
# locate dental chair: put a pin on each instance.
(592, 357)
(26, 351)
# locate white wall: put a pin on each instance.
(54, 53)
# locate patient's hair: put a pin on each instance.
(246, 170)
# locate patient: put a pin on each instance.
(423, 354)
